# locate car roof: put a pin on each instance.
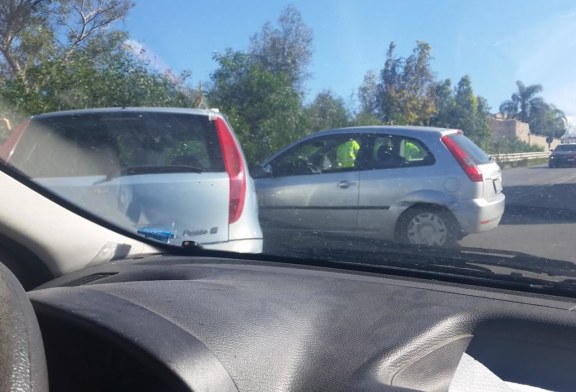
(404, 130)
(66, 113)
(569, 145)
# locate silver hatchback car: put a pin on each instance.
(169, 174)
(418, 185)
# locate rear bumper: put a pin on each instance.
(253, 245)
(479, 215)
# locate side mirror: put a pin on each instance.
(262, 171)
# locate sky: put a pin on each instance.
(495, 42)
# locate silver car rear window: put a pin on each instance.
(478, 156)
(63, 146)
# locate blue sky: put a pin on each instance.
(495, 42)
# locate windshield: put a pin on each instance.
(349, 131)
(566, 147)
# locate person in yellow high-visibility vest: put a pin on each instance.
(412, 151)
(346, 153)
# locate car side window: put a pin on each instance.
(390, 151)
(324, 154)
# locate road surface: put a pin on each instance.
(540, 216)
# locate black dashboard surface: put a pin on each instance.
(183, 323)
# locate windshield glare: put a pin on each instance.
(301, 129)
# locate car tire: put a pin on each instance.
(427, 226)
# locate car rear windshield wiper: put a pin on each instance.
(136, 170)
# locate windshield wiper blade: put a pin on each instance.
(136, 170)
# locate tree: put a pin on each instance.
(546, 119)
(368, 94)
(262, 106)
(102, 73)
(326, 111)
(526, 106)
(460, 108)
(470, 112)
(261, 90)
(23, 26)
(285, 49)
(405, 93)
(389, 89)
(445, 103)
(44, 47)
(32, 31)
(418, 80)
(522, 102)
(83, 19)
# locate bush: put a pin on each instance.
(506, 145)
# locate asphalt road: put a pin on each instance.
(540, 216)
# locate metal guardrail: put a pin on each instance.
(514, 157)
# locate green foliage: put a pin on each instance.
(504, 145)
(405, 90)
(368, 95)
(102, 74)
(264, 108)
(285, 49)
(407, 93)
(261, 90)
(546, 119)
(445, 103)
(35, 31)
(522, 101)
(462, 109)
(365, 119)
(326, 112)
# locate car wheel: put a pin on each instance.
(427, 226)
(551, 165)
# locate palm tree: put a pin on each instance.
(522, 102)
(547, 119)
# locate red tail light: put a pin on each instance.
(234, 165)
(465, 161)
(8, 147)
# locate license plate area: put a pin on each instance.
(497, 183)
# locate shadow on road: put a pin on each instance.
(540, 204)
(530, 215)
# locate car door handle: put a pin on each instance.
(345, 184)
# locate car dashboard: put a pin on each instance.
(224, 324)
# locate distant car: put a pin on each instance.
(418, 185)
(563, 155)
(173, 175)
